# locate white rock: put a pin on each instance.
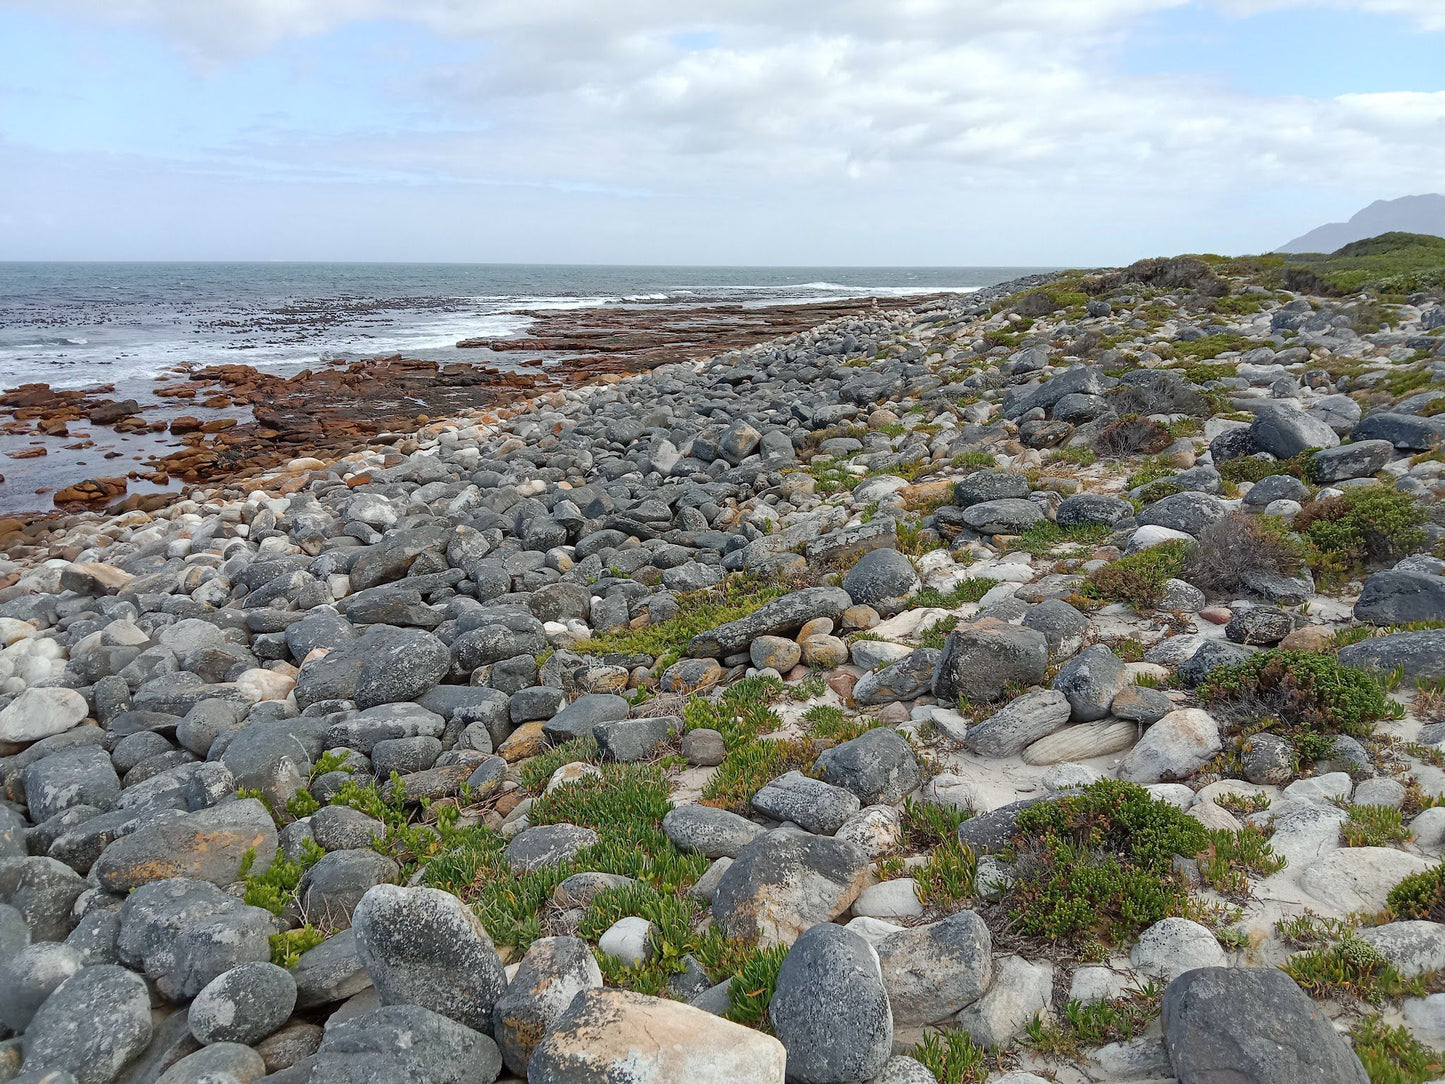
(1021, 990)
(1414, 947)
(872, 930)
(260, 684)
(1177, 745)
(1095, 982)
(1381, 790)
(574, 772)
(1176, 794)
(626, 940)
(39, 713)
(1428, 828)
(1425, 1017)
(889, 899)
(1147, 537)
(1303, 830)
(1066, 775)
(1321, 788)
(1173, 946)
(1358, 878)
(878, 829)
(1082, 741)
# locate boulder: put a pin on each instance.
(423, 946)
(208, 845)
(780, 616)
(1173, 748)
(1359, 459)
(711, 832)
(1285, 432)
(1090, 681)
(553, 972)
(878, 766)
(811, 804)
(1398, 598)
(1189, 512)
(981, 660)
(931, 972)
(1024, 720)
(787, 881)
(40, 712)
(883, 579)
(95, 1022)
(617, 1036)
(243, 1005)
(1252, 1026)
(403, 1042)
(830, 1009)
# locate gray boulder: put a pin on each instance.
(422, 946)
(907, 679)
(981, 660)
(1090, 681)
(1359, 459)
(1409, 432)
(1009, 516)
(547, 845)
(95, 1022)
(780, 616)
(812, 804)
(711, 832)
(1092, 509)
(1418, 654)
(784, 882)
(553, 972)
(1020, 723)
(1252, 1026)
(1285, 432)
(883, 579)
(878, 766)
(243, 1005)
(404, 1042)
(1397, 598)
(933, 971)
(1189, 512)
(991, 485)
(830, 1009)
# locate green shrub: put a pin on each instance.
(275, 889)
(969, 590)
(750, 766)
(1138, 578)
(1233, 857)
(1364, 525)
(1304, 690)
(1093, 1024)
(1352, 967)
(1095, 868)
(751, 990)
(953, 1057)
(1391, 1055)
(1374, 826)
(1420, 895)
(1250, 468)
(287, 947)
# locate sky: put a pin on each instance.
(801, 132)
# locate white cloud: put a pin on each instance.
(963, 99)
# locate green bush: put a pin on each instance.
(751, 990)
(1391, 1055)
(1304, 690)
(1364, 525)
(1138, 578)
(1420, 895)
(1094, 869)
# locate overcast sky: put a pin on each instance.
(884, 132)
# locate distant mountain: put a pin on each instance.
(1409, 214)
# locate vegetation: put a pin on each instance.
(1364, 525)
(1420, 895)
(1350, 967)
(751, 990)
(1095, 869)
(1239, 547)
(666, 641)
(1231, 858)
(970, 590)
(953, 1057)
(1138, 578)
(1374, 826)
(1045, 535)
(1131, 435)
(1391, 1055)
(1089, 1025)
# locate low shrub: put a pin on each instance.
(1364, 525)
(1391, 1055)
(1306, 692)
(1095, 868)
(1138, 578)
(1238, 547)
(1374, 826)
(1131, 435)
(1420, 895)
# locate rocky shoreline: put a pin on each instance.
(1036, 685)
(208, 425)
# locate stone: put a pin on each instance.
(1285, 432)
(1358, 878)
(581, 717)
(95, 1022)
(907, 679)
(1408, 432)
(1141, 704)
(878, 766)
(610, 1036)
(1092, 509)
(786, 881)
(981, 660)
(1189, 512)
(704, 747)
(209, 845)
(401, 669)
(629, 740)
(41, 712)
(1358, 459)
(330, 889)
(811, 804)
(1173, 946)
(1268, 760)
(932, 972)
(1173, 748)
(628, 940)
(1024, 720)
(1275, 487)
(1262, 626)
(897, 898)
(775, 652)
(1413, 947)
(705, 830)
(1417, 654)
(691, 676)
(1082, 741)
(423, 946)
(1020, 991)
(404, 1042)
(883, 579)
(79, 776)
(553, 972)
(231, 1063)
(30, 976)
(830, 1009)
(1063, 626)
(547, 845)
(1090, 680)
(1007, 516)
(779, 617)
(902, 1069)
(243, 1005)
(1398, 598)
(1252, 1026)
(332, 971)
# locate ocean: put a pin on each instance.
(81, 324)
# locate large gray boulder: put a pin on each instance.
(787, 881)
(1359, 459)
(95, 1022)
(1252, 1026)
(830, 1009)
(1021, 722)
(1090, 681)
(554, 971)
(933, 971)
(1418, 654)
(243, 1005)
(1285, 432)
(1189, 512)
(883, 579)
(1409, 432)
(811, 804)
(708, 831)
(980, 661)
(878, 766)
(208, 845)
(1398, 598)
(1008, 516)
(907, 679)
(423, 946)
(404, 1042)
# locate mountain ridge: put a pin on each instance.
(1408, 214)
